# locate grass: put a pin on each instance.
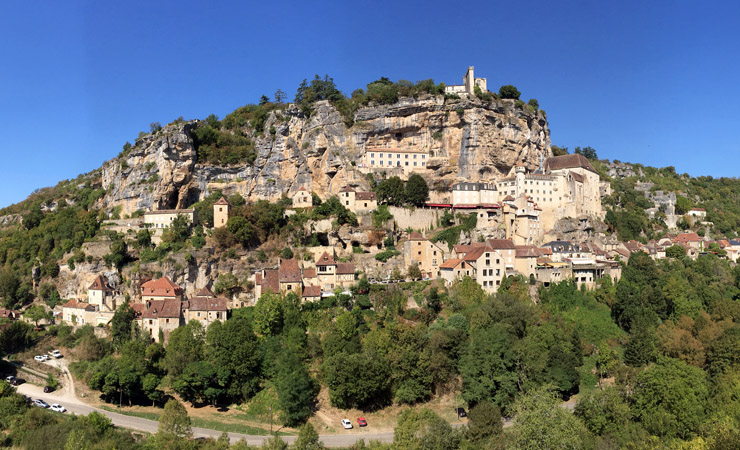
(200, 423)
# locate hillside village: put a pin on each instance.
(517, 216)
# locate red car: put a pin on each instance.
(361, 422)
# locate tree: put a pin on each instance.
(509, 91)
(357, 380)
(391, 191)
(227, 283)
(424, 429)
(603, 411)
(417, 191)
(154, 127)
(540, 422)
(122, 325)
(264, 100)
(234, 349)
(484, 422)
(675, 251)
(280, 96)
(174, 420)
(414, 272)
(488, 367)
(534, 104)
(268, 314)
(587, 152)
(308, 439)
(185, 345)
(9, 286)
(669, 398)
(558, 151)
(36, 313)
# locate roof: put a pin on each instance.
(222, 201)
(687, 237)
(345, 268)
(508, 198)
(347, 189)
(162, 287)
(366, 196)
(577, 176)
(138, 308)
(311, 291)
(170, 211)
(475, 253)
(309, 273)
(162, 309)
(450, 263)
(569, 162)
(326, 260)
(205, 292)
(501, 244)
(303, 188)
(561, 246)
(270, 280)
(416, 236)
(526, 251)
(289, 271)
(75, 304)
(206, 304)
(697, 209)
(100, 284)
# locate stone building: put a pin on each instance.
(358, 202)
(405, 159)
(302, 198)
(205, 307)
(160, 289)
(221, 212)
(427, 255)
(164, 217)
(469, 84)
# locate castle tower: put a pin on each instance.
(520, 172)
(469, 80)
(221, 212)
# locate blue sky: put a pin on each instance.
(649, 82)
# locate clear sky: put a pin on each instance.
(654, 82)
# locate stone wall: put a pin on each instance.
(416, 218)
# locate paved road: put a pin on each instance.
(66, 397)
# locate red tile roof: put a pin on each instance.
(75, 304)
(138, 308)
(687, 237)
(162, 309)
(450, 263)
(366, 196)
(271, 280)
(475, 253)
(289, 271)
(222, 201)
(326, 260)
(206, 304)
(309, 273)
(577, 176)
(311, 291)
(526, 251)
(99, 284)
(345, 268)
(346, 189)
(501, 244)
(508, 198)
(163, 287)
(416, 236)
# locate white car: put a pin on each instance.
(40, 403)
(41, 358)
(56, 353)
(346, 424)
(57, 407)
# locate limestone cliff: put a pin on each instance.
(466, 139)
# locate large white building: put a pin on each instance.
(406, 159)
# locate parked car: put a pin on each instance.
(17, 381)
(40, 403)
(461, 412)
(346, 424)
(58, 408)
(361, 422)
(10, 379)
(41, 358)
(48, 389)
(56, 353)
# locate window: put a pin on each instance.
(220, 209)
(372, 155)
(414, 163)
(414, 156)
(423, 164)
(423, 156)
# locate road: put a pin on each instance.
(66, 397)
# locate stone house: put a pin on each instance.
(206, 309)
(302, 198)
(358, 202)
(404, 159)
(76, 312)
(427, 255)
(101, 294)
(164, 315)
(454, 269)
(160, 289)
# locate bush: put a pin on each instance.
(509, 91)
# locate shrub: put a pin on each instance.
(509, 91)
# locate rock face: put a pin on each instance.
(467, 139)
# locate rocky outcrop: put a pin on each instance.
(466, 139)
